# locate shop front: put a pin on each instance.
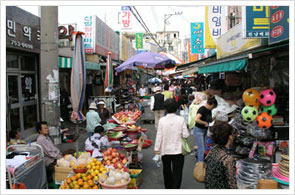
(22, 65)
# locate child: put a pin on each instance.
(96, 142)
(14, 137)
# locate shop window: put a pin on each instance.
(30, 116)
(28, 87)
(11, 61)
(13, 89)
(28, 63)
(14, 118)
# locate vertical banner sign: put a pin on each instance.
(191, 57)
(125, 18)
(215, 24)
(138, 40)
(197, 37)
(89, 34)
(279, 24)
(256, 22)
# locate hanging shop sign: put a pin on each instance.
(89, 34)
(99, 38)
(279, 24)
(65, 35)
(215, 24)
(22, 30)
(232, 42)
(124, 47)
(197, 37)
(125, 18)
(138, 40)
(255, 21)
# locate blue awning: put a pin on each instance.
(233, 65)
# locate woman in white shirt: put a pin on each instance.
(168, 144)
(142, 91)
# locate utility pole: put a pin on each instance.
(49, 70)
(166, 17)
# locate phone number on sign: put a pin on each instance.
(19, 44)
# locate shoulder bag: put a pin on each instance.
(186, 147)
(200, 170)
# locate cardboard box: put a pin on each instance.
(267, 184)
(61, 173)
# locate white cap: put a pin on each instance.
(101, 102)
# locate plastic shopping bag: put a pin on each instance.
(157, 160)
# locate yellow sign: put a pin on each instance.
(215, 24)
(232, 42)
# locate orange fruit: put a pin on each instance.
(73, 178)
(95, 187)
(85, 186)
(69, 180)
(62, 187)
(81, 166)
(93, 174)
(76, 186)
(75, 167)
(89, 177)
(80, 182)
(94, 160)
(90, 183)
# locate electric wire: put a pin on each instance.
(144, 25)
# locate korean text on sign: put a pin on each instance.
(197, 37)
(88, 39)
(257, 21)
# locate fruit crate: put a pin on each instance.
(136, 180)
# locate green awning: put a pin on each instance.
(233, 65)
(64, 62)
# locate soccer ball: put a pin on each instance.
(251, 97)
(249, 113)
(270, 110)
(267, 97)
(264, 121)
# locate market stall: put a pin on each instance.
(120, 165)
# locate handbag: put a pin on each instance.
(200, 170)
(186, 147)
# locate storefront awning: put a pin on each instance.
(64, 62)
(225, 66)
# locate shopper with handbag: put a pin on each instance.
(220, 165)
(171, 129)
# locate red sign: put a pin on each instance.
(277, 31)
(277, 16)
(274, 7)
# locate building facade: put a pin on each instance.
(22, 67)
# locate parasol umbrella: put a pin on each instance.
(147, 60)
(109, 74)
(78, 77)
(155, 80)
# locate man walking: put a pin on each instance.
(157, 105)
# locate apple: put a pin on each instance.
(114, 150)
(124, 161)
(119, 165)
(114, 154)
(114, 160)
(108, 162)
(122, 156)
(108, 153)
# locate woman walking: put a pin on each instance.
(168, 144)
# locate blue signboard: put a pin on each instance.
(197, 37)
(124, 8)
(257, 22)
(279, 24)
